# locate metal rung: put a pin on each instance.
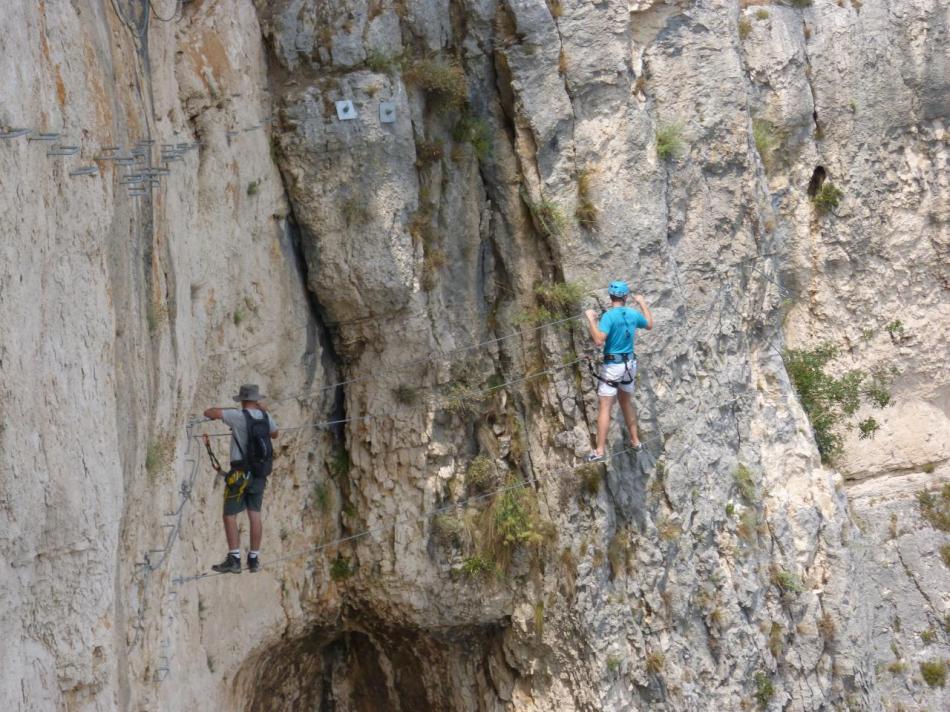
(137, 193)
(253, 128)
(63, 151)
(44, 137)
(145, 142)
(15, 133)
(229, 134)
(123, 160)
(110, 149)
(169, 159)
(84, 171)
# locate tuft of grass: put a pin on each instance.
(475, 567)
(786, 581)
(613, 664)
(406, 394)
(827, 198)
(561, 298)
(428, 152)
(895, 330)
(340, 569)
(381, 63)
(776, 639)
(158, 456)
(669, 141)
(476, 132)
(745, 27)
(441, 78)
(934, 672)
(748, 526)
(339, 463)
(767, 142)
(589, 476)
(586, 212)
(928, 636)
(799, 3)
(763, 689)
(548, 217)
(928, 468)
(897, 667)
(761, 14)
(618, 553)
(238, 316)
(448, 527)
(655, 661)
(321, 495)
(730, 509)
(936, 510)
(867, 428)
(539, 619)
(945, 554)
(669, 530)
(827, 628)
(479, 476)
(253, 187)
(745, 483)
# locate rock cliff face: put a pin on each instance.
(768, 175)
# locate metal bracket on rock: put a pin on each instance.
(84, 171)
(387, 112)
(345, 111)
(63, 151)
(15, 133)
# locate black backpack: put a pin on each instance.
(259, 455)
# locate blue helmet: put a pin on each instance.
(618, 289)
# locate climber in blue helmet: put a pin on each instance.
(616, 333)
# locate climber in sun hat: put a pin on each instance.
(252, 457)
(616, 333)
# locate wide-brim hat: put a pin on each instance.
(249, 392)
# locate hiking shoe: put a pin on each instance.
(594, 457)
(637, 448)
(253, 564)
(231, 565)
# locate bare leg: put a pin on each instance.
(603, 422)
(629, 416)
(231, 532)
(257, 529)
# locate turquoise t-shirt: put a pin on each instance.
(621, 324)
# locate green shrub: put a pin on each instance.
(730, 509)
(669, 141)
(514, 521)
(827, 198)
(586, 212)
(548, 218)
(761, 14)
(745, 27)
(480, 475)
(895, 330)
(238, 316)
(613, 664)
(340, 569)
(253, 187)
(475, 567)
(448, 527)
(786, 581)
(867, 428)
(339, 463)
(763, 689)
(766, 142)
(829, 401)
(562, 299)
(439, 77)
(321, 495)
(476, 132)
(589, 475)
(934, 672)
(928, 636)
(158, 456)
(936, 510)
(406, 394)
(745, 483)
(380, 62)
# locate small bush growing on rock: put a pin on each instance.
(380, 62)
(428, 152)
(895, 330)
(476, 132)
(745, 27)
(928, 468)
(934, 672)
(589, 475)
(928, 636)
(439, 77)
(936, 510)
(447, 527)
(475, 567)
(253, 187)
(548, 217)
(827, 198)
(748, 526)
(513, 521)
(613, 664)
(562, 299)
(745, 483)
(829, 401)
(763, 689)
(655, 661)
(340, 569)
(406, 394)
(479, 477)
(761, 14)
(786, 581)
(586, 212)
(669, 141)
(896, 667)
(827, 627)
(766, 142)
(158, 456)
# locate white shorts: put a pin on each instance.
(617, 372)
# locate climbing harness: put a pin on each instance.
(235, 480)
(628, 377)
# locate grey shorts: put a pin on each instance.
(241, 491)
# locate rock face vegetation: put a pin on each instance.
(390, 214)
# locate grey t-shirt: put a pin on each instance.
(234, 418)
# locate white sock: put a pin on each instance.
(252, 554)
(235, 552)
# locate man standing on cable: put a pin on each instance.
(252, 458)
(616, 332)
